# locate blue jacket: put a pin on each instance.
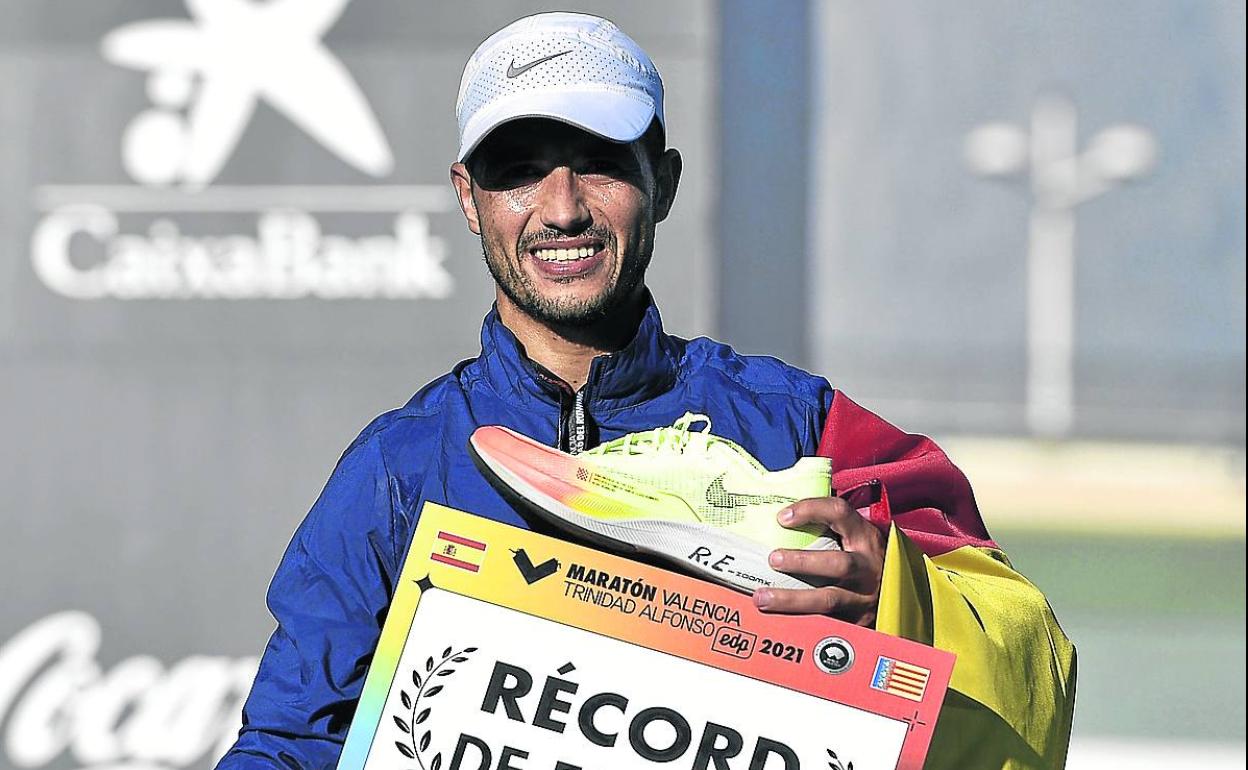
(333, 587)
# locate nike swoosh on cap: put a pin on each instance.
(514, 72)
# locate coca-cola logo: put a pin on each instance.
(56, 701)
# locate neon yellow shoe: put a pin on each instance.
(686, 496)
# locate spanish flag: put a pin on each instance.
(458, 551)
(947, 584)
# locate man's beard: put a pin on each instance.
(518, 286)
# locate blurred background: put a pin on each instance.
(229, 242)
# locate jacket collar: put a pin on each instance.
(644, 368)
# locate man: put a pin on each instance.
(564, 173)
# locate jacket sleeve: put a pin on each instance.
(947, 584)
(329, 597)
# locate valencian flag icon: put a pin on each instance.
(904, 679)
(458, 551)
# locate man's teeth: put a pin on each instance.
(563, 255)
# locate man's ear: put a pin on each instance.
(666, 180)
(462, 180)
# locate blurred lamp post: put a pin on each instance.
(1060, 178)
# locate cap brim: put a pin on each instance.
(620, 116)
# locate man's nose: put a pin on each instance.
(563, 202)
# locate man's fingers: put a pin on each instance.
(854, 572)
(835, 565)
(832, 512)
(807, 601)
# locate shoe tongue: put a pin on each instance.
(716, 449)
(642, 442)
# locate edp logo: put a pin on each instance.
(734, 642)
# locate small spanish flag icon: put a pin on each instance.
(458, 551)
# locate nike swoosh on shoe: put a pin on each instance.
(718, 497)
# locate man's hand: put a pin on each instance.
(853, 593)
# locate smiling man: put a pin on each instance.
(567, 222)
(564, 173)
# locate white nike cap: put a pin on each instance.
(570, 67)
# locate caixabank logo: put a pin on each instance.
(173, 233)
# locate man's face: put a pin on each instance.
(566, 218)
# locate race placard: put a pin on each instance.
(509, 650)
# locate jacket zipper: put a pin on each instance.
(573, 435)
(579, 429)
(572, 427)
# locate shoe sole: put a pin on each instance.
(731, 561)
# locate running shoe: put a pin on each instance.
(684, 495)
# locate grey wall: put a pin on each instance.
(917, 274)
(159, 452)
(764, 177)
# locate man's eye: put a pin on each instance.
(512, 174)
(522, 171)
(602, 166)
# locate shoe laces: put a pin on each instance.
(670, 439)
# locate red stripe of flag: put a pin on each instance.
(909, 679)
(455, 562)
(908, 682)
(918, 693)
(461, 541)
(901, 479)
